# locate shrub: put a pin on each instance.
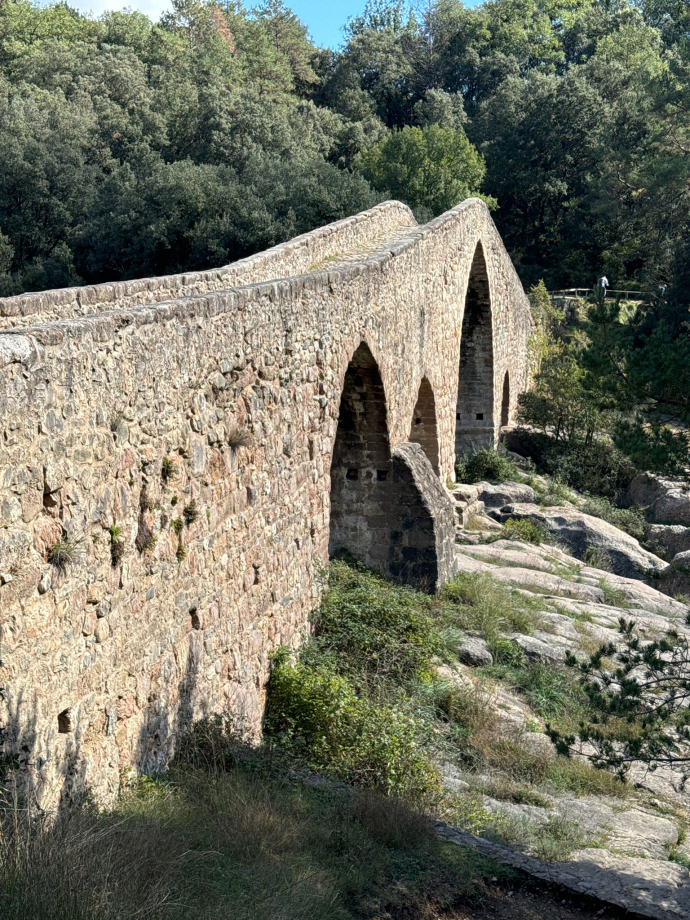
(318, 714)
(177, 526)
(597, 467)
(654, 446)
(523, 530)
(486, 465)
(369, 626)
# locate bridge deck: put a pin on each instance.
(346, 242)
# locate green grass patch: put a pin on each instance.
(373, 629)
(479, 603)
(551, 842)
(552, 692)
(613, 596)
(318, 717)
(552, 493)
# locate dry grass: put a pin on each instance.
(247, 843)
(238, 437)
(76, 868)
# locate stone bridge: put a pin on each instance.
(180, 454)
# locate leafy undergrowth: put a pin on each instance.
(374, 700)
(486, 465)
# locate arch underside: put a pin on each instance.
(475, 406)
(505, 401)
(424, 430)
(385, 506)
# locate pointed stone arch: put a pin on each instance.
(505, 401)
(361, 466)
(423, 430)
(474, 426)
(388, 508)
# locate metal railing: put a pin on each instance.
(576, 293)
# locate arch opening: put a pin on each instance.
(361, 466)
(505, 401)
(384, 509)
(423, 430)
(474, 426)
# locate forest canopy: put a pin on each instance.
(132, 148)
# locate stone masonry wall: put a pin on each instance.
(202, 428)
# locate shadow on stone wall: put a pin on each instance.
(35, 776)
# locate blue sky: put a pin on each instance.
(324, 18)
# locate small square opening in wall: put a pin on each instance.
(479, 416)
(65, 722)
(352, 474)
(457, 416)
(381, 475)
(195, 618)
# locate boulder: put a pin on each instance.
(507, 493)
(453, 675)
(638, 594)
(465, 493)
(547, 584)
(641, 834)
(673, 537)
(580, 532)
(645, 488)
(667, 500)
(475, 652)
(675, 579)
(538, 650)
(513, 556)
(469, 565)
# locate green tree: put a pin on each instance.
(638, 693)
(431, 169)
